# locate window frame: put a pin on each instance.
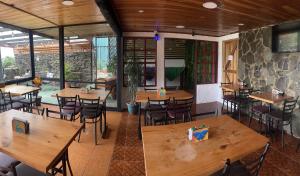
(145, 63)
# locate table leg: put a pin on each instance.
(139, 127)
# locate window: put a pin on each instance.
(15, 55)
(46, 58)
(144, 51)
(206, 62)
(106, 56)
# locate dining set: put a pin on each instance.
(44, 150)
(165, 138)
(271, 109)
(173, 107)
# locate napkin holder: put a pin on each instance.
(198, 134)
(20, 126)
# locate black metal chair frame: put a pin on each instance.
(286, 117)
(225, 99)
(242, 100)
(181, 106)
(156, 107)
(91, 109)
(63, 105)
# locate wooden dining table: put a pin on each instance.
(232, 87)
(269, 97)
(143, 96)
(17, 90)
(92, 94)
(167, 150)
(44, 147)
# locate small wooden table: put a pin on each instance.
(46, 144)
(93, 94)
(268, 97)
(167, 150)
(17, 90)
(142, 97)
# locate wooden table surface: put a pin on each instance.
(268, 97)
(47, 140)
(93, 94)
(232, 87)
(19, 89)
(167, 151)
(142, 96)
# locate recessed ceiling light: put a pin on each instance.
(67, 2)
(241, 24)
(179, 27)
(210, 4)
(141, 11)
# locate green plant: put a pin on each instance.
(68, 71)
(8, 61)
(132, 69)
(112, 65)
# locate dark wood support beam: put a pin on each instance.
(108, 13)
(62, 57)
(119, 80)
(31, 45)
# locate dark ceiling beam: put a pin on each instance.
(71, 25)
(21, 10)
(110, 15)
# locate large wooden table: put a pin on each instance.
(142, 97)
(45, 145)
(16, 90)
(167, 151)
(268, 97)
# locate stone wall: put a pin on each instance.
(80, 64)
(265, 70)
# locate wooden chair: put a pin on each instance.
(68, 107)
(91, 110)
(8, 164)
(180, 108)
(283, 117)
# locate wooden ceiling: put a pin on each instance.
(37, 14)
(165, 15)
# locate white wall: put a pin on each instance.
(205, 93)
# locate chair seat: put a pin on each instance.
(69, 111)
(238, 169)
(277, 115)
(178, 113)
(261, 109)
(24, 170)
(15, 98)
(15, 105)
(6, 162)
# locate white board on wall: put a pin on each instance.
(208, 93)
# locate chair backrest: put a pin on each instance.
(244, 93)
(224, 91)
(66, 103)
(89, 107)
(184, 103)
(226, 169)
(288, 107)
(148, 89)
(256, 166)
(157, 105)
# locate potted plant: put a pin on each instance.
(132, 70)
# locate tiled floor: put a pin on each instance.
(128, 159)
